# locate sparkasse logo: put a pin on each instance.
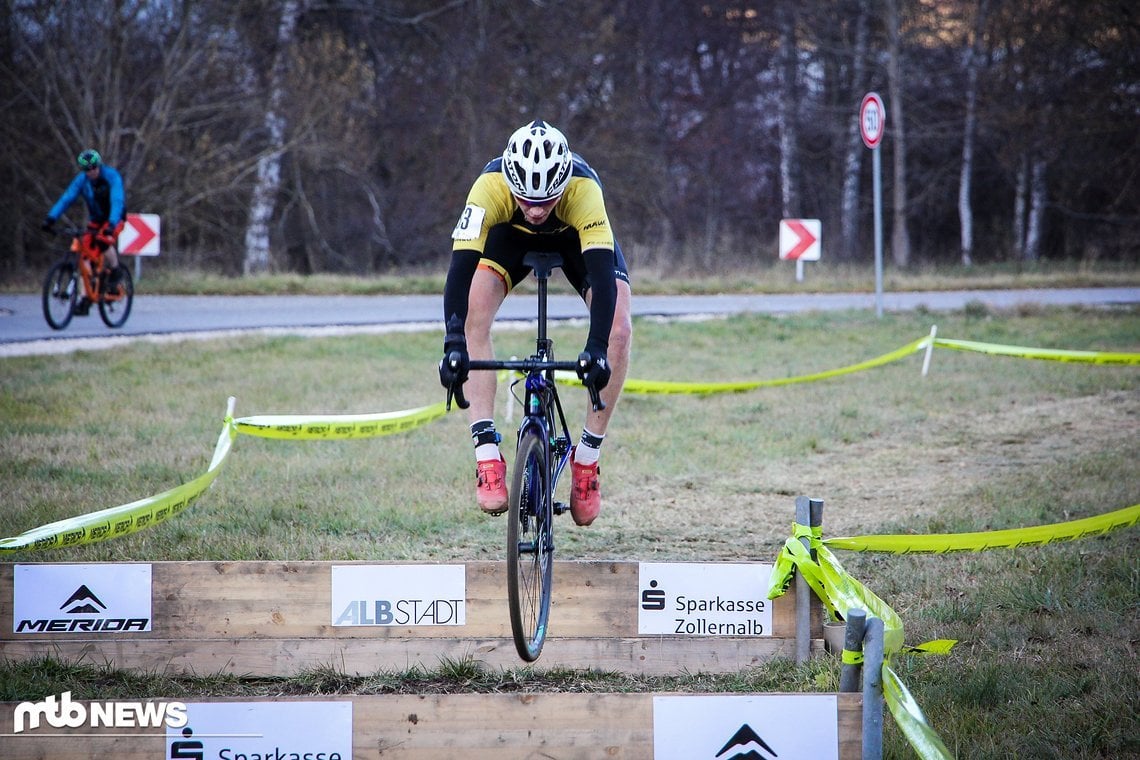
(65, 713)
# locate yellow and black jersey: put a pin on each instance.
(493, 235)
(581, 210)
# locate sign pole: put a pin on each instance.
(877, 185)
(872, 124)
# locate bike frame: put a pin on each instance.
(542, 408)
(542, 451)
(90, 261)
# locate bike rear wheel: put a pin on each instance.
(61, 288)
(530, 545)
(115, 303)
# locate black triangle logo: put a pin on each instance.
(83, 594)
(741, 739)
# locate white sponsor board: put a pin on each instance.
(704, 599)
(761, 726)
(96, 598)
(263, 731)
(399, 595)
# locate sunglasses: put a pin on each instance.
(537, 204)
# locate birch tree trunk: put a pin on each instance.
(1038, 196)
(965, 210)
(1020, 203)
(900, 237)
(853, 163)
(264, 198)
(786, 64)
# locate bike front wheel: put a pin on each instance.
(61, 287)
(530, 545)
(115, 303)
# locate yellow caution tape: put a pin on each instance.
(1039, 535)
(665, 386)
(934, 646)
(128, 518)
(849, 657)
(908, 715)
(296, 427)
(836, 589)
(1060, 355)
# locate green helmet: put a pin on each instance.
(89, 159)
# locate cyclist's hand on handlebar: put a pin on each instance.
(454, 366)
(594, 372)
(48, 225)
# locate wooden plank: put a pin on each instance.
(430, 726)
(274, 618)
(209, 600)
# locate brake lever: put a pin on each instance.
(455, 390)
(595, 396)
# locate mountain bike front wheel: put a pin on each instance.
(115, 303)
(61, 287)
(530, 545)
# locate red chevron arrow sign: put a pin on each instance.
(140, 235)
(799, 239)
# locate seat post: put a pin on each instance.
(542, 263)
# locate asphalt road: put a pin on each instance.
(23, 329)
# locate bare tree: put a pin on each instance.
(900, 236)
(853, 158)
(787, 65)
(268, 183)
(969, 129)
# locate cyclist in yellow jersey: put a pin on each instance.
(539, 196)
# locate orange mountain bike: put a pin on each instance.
(76, 281)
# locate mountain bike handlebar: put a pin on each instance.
(530, 364)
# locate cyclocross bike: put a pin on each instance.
(75, 282)
(542, 453)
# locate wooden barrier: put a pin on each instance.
(273, 618)
(434, 726)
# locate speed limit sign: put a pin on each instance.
(872, 120)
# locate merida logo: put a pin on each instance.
(82, 602)
(746, 744)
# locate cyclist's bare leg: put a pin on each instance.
(621, 335)
(483, 302)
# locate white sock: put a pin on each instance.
(486, 451)
(589, 447)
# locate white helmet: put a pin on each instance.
(537, 163)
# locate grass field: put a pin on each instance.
(1046, 665)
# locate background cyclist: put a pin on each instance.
(537, 197)
(101, 188)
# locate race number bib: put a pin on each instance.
(470, 223)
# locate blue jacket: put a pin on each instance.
(105, 197)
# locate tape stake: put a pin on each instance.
(929, 350)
